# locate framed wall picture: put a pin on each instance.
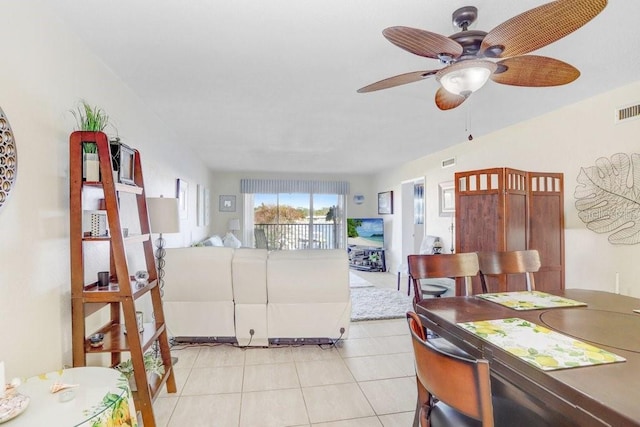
(385, 203)
(227, 204)
(447, 198)
(182, 193)
(200, 203)
(206, 206)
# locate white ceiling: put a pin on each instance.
(270, 85)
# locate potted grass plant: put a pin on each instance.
(92, 119)
(90, 162)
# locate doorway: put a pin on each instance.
(413, 219)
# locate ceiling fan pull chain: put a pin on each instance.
(467, 124)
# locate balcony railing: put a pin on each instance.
(298, 236)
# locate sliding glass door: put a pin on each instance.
(295, 214)
(300, 220)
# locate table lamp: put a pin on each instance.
(234, 225)
(164, 217)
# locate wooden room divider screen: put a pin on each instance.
(503, 209)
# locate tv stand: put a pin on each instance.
(367, 259)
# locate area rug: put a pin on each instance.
(356, 281)
(373, 303)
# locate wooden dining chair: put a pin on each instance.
(455, 391)
(509, 262)
(440, 266)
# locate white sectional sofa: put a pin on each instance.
(198, 292)
(254, 297)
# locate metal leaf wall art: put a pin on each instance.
(8, 159)
(608, 198)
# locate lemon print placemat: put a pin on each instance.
(530, 300)
(539, 346)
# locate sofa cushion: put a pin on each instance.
(198, 274)
(200, 319)
(249, 272)
(309, 320)
(312, 276)
(251, 317)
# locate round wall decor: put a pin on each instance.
(8, 159)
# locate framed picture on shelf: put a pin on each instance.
(227, 204)
(182, 193)
(385, 203)
(447, 198)
(123, 160)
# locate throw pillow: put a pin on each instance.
(231, 241)
(214, 240)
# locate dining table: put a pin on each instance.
(88, 396)
(605, 326)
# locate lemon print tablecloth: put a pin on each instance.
(539, 346)
(530, 300)
(99, 397)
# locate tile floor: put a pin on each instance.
(367, 380)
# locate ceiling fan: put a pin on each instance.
(467, 55)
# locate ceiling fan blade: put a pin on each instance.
(398, 80)
(539, 27)
(535, 71)
(423, 43)
(446, 100)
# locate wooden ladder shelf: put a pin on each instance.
(88, 298)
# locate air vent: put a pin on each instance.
(448, 162)
(627, 113)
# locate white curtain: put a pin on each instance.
(275, 186)
(248, 224)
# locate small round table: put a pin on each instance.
(102, 397)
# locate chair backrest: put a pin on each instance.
(261, 238)
(464, 384)
(441, 266)
(510, 262)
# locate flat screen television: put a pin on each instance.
(365, 232)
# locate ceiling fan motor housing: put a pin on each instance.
(470, 41)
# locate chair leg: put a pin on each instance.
(416, 417)
(421, 417)
(423, 406)
(424, 416)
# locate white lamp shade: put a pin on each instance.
(464, 78)
(234, 224)
(164, 216)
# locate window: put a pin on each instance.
(295, 220)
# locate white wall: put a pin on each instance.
(560, 141)
(45, 71)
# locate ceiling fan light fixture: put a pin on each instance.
(464, 78)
